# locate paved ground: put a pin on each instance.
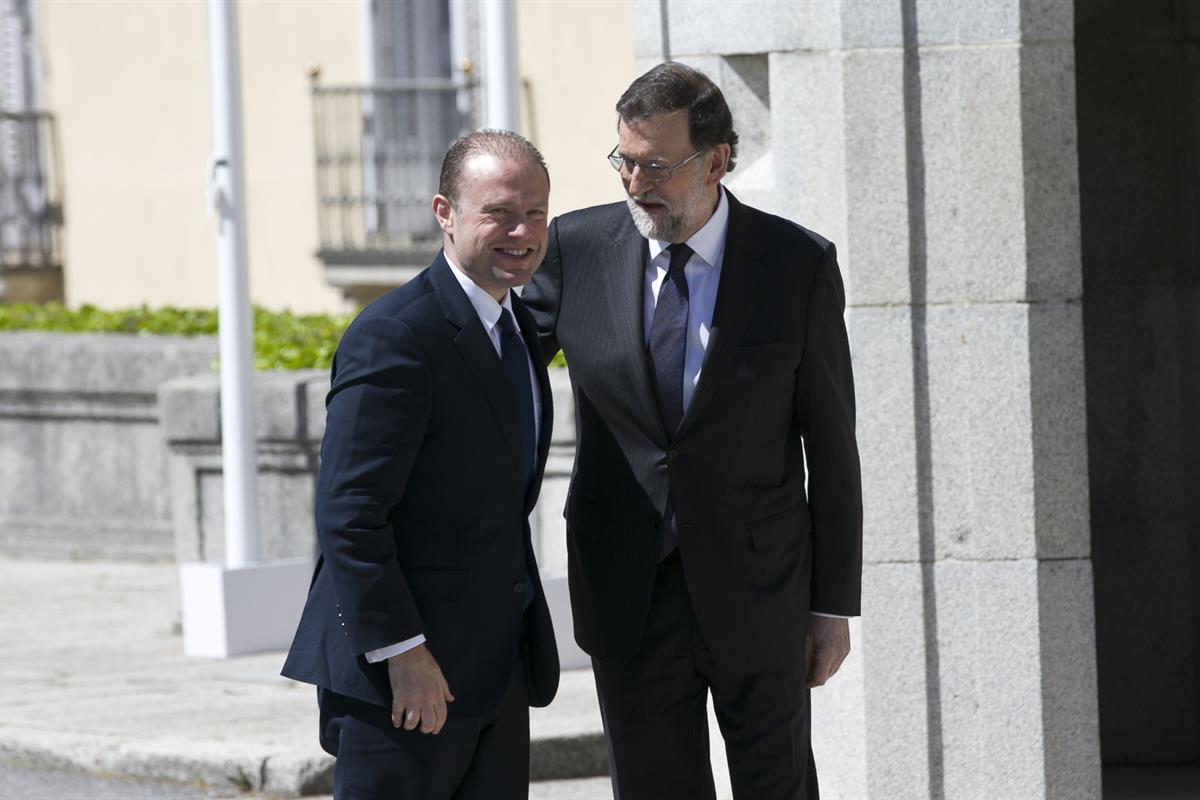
(93, 678)
(98, 701)
(21, 783)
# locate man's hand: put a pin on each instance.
(825, 649)
(419, 692)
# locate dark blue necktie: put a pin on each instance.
(516, 366)
(668, 344)
(668, 338)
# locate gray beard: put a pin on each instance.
(650, 229)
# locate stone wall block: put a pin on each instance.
(989, 651)
(875, 251)
(190, 410)
(1068, 660)
(895, 653)
(1059, 430)
(751, 26)
(880, 342)
(286, 459)
(971, 145)
(983, 478)
(83, 485)
(647, 29)
(81, 459)
(104, 364)
(941, 22)
(1051, 174)
(1047, 20)
(871, 24)
(808, 143)
(284, 510)
(281, 403)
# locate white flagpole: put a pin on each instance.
(236, 325)
(500, 77)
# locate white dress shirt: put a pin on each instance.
(703, 273)
(489, 312)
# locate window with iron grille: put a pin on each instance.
(379, 146)
(29, 211)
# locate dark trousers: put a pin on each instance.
(473, 758)
(655, 713)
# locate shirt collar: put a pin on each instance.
(709, 241)
(485, 305)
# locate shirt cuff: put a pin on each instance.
(831, 616)
(384, 653)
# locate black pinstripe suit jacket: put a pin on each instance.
(759, 549)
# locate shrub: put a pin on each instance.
(282, 340)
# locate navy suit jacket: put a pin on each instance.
(759, 548)
(421, 511)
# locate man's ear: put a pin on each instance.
(719, 164)
(443, 211)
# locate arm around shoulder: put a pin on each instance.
(543, 295)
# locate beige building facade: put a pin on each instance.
(127, 85)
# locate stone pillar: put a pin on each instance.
(934, 142)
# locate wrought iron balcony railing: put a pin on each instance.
(30, 204)
(379, 150)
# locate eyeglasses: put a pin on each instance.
(652, 171)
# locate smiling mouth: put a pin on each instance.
(514, 253)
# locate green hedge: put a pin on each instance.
(282, 340)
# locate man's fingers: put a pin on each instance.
(440, 719)
(431, 716)
(419, 691)
(412, 718)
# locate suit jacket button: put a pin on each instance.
(519, 587)
(672, 453)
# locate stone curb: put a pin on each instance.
(229, 766)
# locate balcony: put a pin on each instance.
(30, 209)
(379, 151)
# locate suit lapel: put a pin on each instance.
(529, 332)
(479, 353)
(743, 250)
(624, 271)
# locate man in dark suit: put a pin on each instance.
(426, 630)
(709, 361)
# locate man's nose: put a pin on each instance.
(637, 183)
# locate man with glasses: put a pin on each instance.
(709, 362)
